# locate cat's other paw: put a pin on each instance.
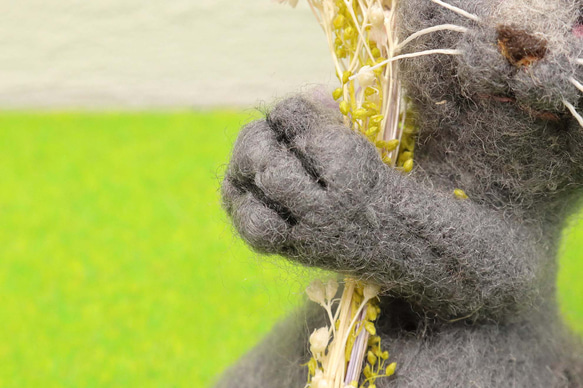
(298, 175)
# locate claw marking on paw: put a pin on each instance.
(248, 186)
(307, 163)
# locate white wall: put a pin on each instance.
(156, 53)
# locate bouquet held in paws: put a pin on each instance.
(435, 180)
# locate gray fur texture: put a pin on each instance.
(470, 284)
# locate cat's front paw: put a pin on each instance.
(297, 177)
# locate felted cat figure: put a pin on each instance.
(469, 284)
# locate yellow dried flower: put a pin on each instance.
(377, 119)
(372, 132)
(408, 165)
(344, 107)
(370, 91)
(367, 372)
(371, 313)
(370, 106)
(349, 32)
(388, 145)
(460, 194)
(369, 326)
(359, 113)
(341, 52)
(337, 93)
(345, 76)
(391, 369)
(339, 21)
(371, 358)
(312, 366)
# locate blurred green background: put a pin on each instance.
(117, 266)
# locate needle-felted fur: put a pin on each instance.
(470, 298)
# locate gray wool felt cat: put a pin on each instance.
(470, 298)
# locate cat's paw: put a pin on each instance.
(298, 173)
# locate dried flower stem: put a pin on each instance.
(340, 362)
(362, 40)
(357, 356)
(360, 34)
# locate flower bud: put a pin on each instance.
(460, 194)
(408, 165)
(369, 326)
(316, 292)
(371, 358)
(370, 291)
(376, 16)
(391, 369)
(319, 340)
(323, 383)
(331, 289)
(319, 381)
(365, 77)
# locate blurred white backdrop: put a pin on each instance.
(156, 54)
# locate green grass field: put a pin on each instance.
(117, 267)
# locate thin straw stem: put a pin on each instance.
(457, 10)
(357, 25)
(412, 55)
(577, 84)
(451, 27)
(574, 112)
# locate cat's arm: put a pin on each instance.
(302, 185)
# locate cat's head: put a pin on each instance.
(499, 106)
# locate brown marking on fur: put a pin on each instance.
(519, 47)
(496, 98)
(543, 115)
